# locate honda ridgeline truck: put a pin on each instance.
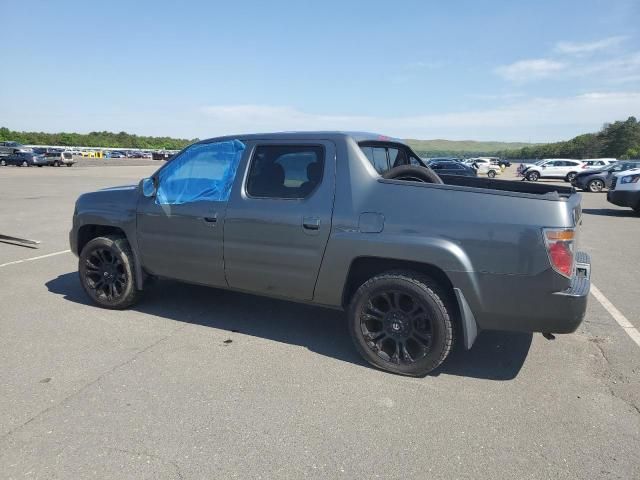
(348, 221)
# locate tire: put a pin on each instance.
(69, 164)
(3, 163)
(107, 272)
(413, 174)
(533, 176)
(491, 174)
(384, 333)
(570, 176)
(56, 164)
(25, 164)
(595, 185)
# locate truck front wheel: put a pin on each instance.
(400, 322)
(107, 273)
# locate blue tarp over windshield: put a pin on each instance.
(202, 172)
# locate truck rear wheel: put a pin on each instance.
(399, 322)
(107, 272)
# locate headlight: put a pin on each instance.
(631, 178)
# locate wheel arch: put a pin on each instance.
(89, 231)
(366, 267)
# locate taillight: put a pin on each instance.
(560, 245)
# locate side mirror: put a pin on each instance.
(148, 187)
(544, 166)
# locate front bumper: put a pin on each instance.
(624, 198)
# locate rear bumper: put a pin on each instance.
(531, 303)
(624, 198)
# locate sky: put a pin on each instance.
(493, 70)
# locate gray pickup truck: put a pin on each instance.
(349, 221)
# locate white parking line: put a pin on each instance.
(34, 258)
(626, 325)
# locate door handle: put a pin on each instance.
(311, 223)
(213, 220)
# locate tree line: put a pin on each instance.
(94, 139)
(619, 139)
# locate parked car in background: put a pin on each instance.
(58, 159)
(24, 159)
(596, 180)
(161, 155)
(500, 162)
(596, 163)
(7, 148)
(485, 166)
(116, 154)
(625, 190)
(563, 168)
(450, 167)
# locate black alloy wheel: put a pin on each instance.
(397, 327)
(107, 273)
(400, 322)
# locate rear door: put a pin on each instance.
(277, 225)
(551, 169)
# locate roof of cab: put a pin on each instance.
(314, 135)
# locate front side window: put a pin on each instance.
(202, 172)
(285, 171)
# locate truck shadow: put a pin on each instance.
(609, 212)
(495, 355)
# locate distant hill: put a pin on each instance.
(620, 139)
(436, 148)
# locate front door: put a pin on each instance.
(180, 228)
(278, 223)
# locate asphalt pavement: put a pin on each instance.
(201, 383)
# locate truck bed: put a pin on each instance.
(516, 186)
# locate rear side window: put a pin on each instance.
(384, 157)
(378, 158)
(285, 171)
